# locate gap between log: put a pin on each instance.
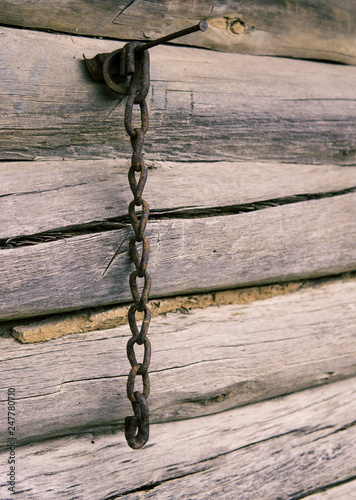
(109, 38)
(104, 318)
(162, 214)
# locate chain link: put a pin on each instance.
(137, 64)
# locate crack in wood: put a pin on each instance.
(323, 488)
(341, 429)
(131, 2)
(122, 222)
(58, 31)
(114, 256)
(153, 485)
(40, 191)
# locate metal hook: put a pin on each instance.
(116, 66)
(139, 423)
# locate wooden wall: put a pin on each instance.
(252, 189)
(252, 176)
(247, 399)
(313, 29)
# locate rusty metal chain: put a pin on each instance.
(132, 61)
(137, 426)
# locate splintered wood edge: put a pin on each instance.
(87, 320)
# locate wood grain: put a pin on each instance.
(228, 162)
(46, 195)
(296, 445)
(265, 109)
(346, 490)
(316, 29)
(204, 362)
(282, 243)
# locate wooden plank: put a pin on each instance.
(282, 243)
(268, 109)
(295, 445)
(41, 196)
(216, 358)
(317, 29)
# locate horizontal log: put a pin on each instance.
(216, 358)
(279, 243)
(48, 195)
(316, 29)
(267, 109)
(297, 445)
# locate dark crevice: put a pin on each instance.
(341, 429)
(191, 213)
(15, 160)
(97, 36)
(123, 221)
(148, 487)
(54, 31)
(101, 36)
(40, 191)
(202, 467)
(104, 428)
(126, 7)
(299, 496)
(64, 233)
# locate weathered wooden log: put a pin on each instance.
(294, 447)
(204, 362)
(80, 196)
(268, 109)
(247, 185)
(316, 29)
(281, 243)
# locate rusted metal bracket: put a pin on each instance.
(114, 68)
